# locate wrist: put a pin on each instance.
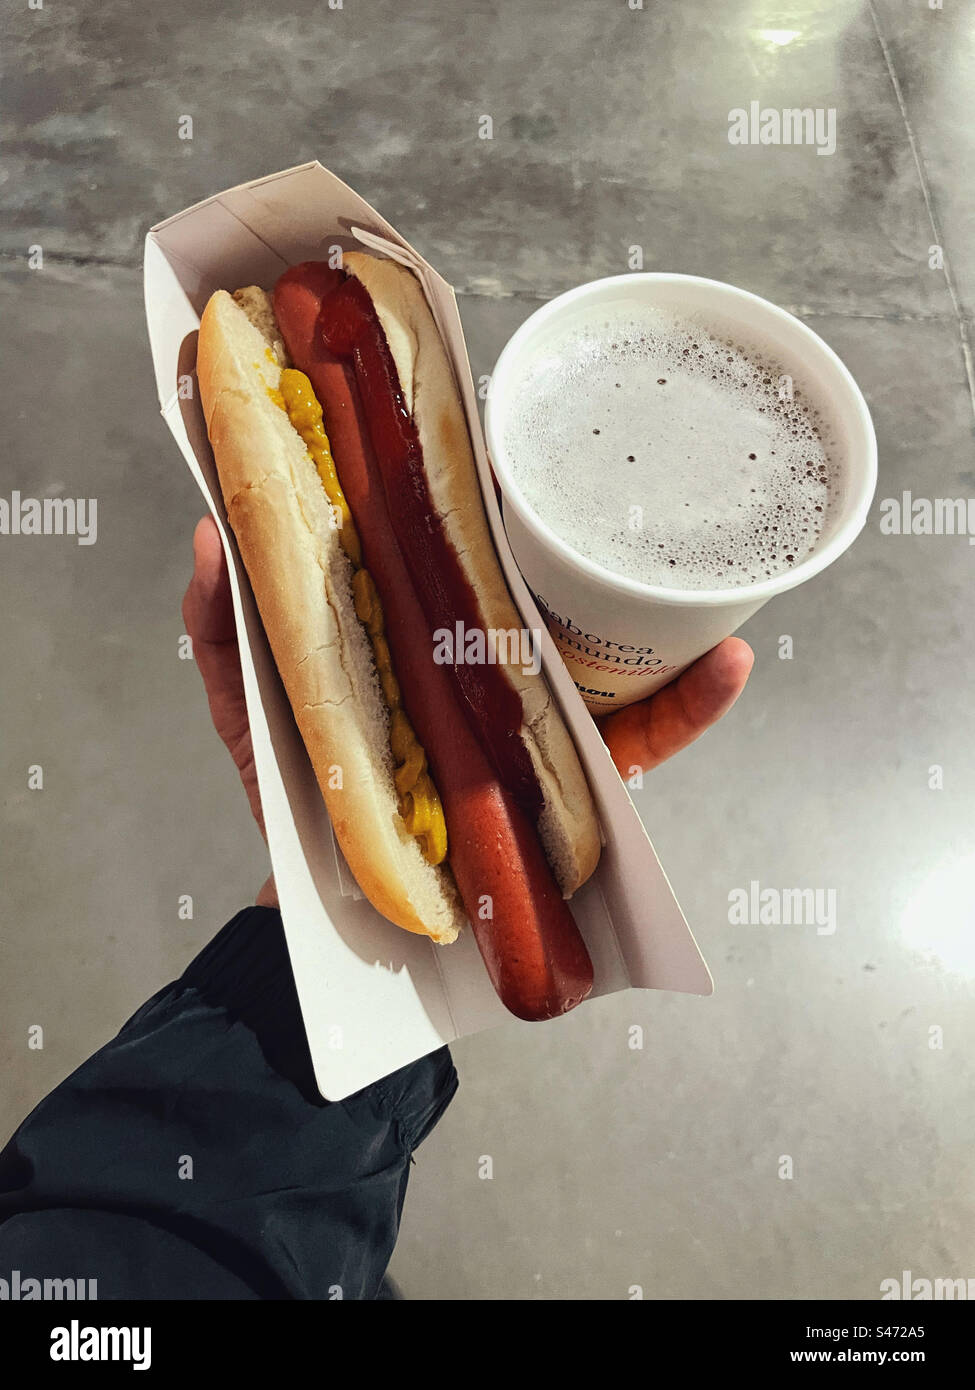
(268, 894)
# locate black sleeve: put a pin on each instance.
(290, 1196)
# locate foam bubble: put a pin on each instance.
(670, 453)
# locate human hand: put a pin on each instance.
(640, 736)
(208, 613)
(645, 734)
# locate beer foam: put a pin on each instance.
(669, 451)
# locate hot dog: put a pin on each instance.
(346, 467)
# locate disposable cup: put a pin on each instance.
(622, 639)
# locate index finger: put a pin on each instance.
(646, 734)
(208, 607)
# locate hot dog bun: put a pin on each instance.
(568, 826)
(289, 541)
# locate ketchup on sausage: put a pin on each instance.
(535, 956)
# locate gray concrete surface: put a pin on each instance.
(613, 1168)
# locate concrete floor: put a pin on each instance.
(613, 1168)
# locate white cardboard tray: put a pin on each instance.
(373, 997)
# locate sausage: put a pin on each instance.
(531, 946)
(349, 326)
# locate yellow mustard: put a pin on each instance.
(419, 801)
(305, 414)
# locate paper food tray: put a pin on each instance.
(374, 997)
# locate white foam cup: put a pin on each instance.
(622, 639)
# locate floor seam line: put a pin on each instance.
(966, 348)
